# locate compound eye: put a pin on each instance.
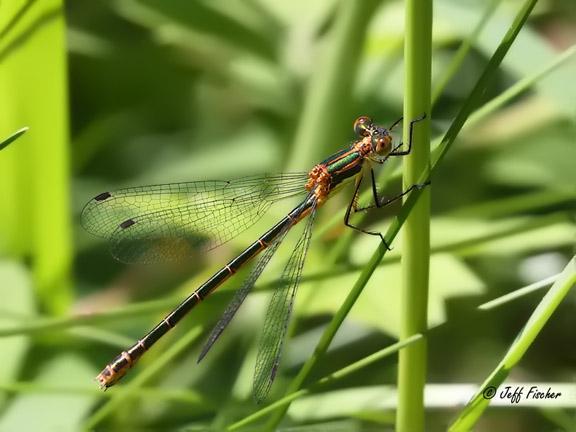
(383, 144)
(362, 125)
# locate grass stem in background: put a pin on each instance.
(416, 235)
(35, 178)
(325, 117)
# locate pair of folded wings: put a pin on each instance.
(170, 222)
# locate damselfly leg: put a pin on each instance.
(394, 151)
(381, 201)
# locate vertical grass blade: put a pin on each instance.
(416, 237)
(327, 108)
(34, 178)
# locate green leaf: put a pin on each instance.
(35, 182)
(13, 137)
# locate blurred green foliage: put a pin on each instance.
(163, 91)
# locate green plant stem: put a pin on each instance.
(416, 234)
(506, 298)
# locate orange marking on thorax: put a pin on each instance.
(364, 146)
(319, 180)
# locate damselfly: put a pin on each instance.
(163, 222)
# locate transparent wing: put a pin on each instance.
(278, 316)
(167, 222)
(241, 294)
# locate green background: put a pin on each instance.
(122, 93)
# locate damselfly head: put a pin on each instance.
(381, 141)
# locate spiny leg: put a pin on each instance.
(395, 123)
(382, 201)
(352, 206)
(411, 131)
(379, 202)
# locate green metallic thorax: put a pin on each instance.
(341, 163)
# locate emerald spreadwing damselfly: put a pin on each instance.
(165, 222)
